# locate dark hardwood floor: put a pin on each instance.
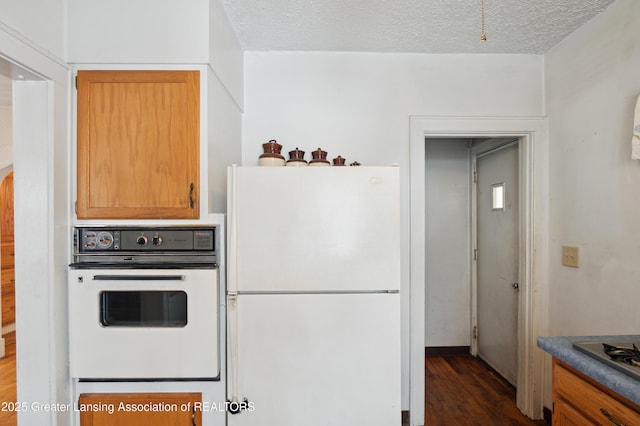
(8, 417)
(463, 391)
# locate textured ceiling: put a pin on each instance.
(421, 26)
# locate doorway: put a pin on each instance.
(471, 192)
(532, 161)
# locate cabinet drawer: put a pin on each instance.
(594, 401)
(8, 309)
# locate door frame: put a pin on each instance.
(41, 163)
(532, 132)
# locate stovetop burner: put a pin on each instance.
(629, 356)
(624, 356)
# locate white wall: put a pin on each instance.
(226, 57)
(6, 137)
(38, 23)
(591, 87)
(447, 265)
(143, 31)
(225, 134)
(358, 105)
(226, 101)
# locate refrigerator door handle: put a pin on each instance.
(232, 245)
(232, 346)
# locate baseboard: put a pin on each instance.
(405, 418)
(440, 351)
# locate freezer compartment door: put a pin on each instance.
(314, 228)
(316, 360)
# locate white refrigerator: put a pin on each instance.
(313, 297)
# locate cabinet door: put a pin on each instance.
(138, 144)
(8, 309)
(6, 208)
(7, 277)
(8, 297)
(150, 409)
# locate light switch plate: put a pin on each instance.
(570, 256)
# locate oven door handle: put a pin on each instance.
(139, 277)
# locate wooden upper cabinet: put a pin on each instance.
(138, 144)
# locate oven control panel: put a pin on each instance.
(166, 239)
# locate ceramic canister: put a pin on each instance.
(296, 158)
(271, 155)
(338, 161)
(319, 158)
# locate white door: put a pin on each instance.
(498, 260)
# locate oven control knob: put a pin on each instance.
(142, 240)
(104, 240)
(156, 240)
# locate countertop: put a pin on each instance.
(561, 348)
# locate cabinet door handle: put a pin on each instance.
(610, 418)
(192, 202)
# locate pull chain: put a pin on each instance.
(483, 36)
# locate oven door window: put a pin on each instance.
(143, 308)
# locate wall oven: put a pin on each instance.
(143, 304)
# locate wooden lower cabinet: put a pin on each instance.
(140, 409)
(579, 400)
